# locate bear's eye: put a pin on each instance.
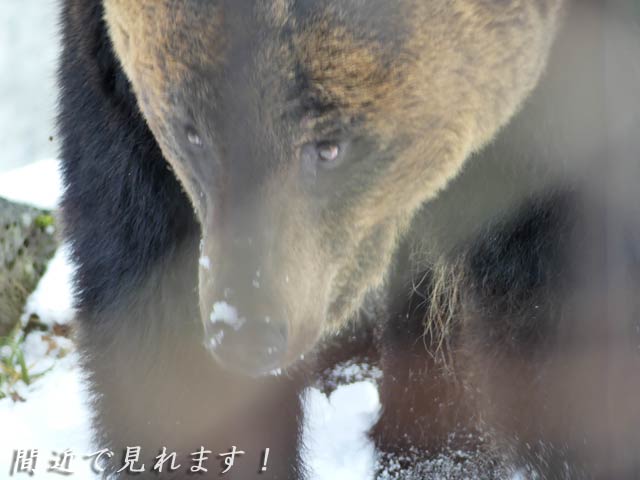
(329, 154)
(323, 155)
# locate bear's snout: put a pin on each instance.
(245, 322)
(252, 345)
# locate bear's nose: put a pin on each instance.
(250, 345)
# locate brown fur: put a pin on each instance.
(462, 69)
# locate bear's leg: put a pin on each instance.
(185, 409)
(548, 333)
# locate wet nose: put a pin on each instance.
(253, 345)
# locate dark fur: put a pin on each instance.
(517, 360)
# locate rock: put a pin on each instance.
(27, 243)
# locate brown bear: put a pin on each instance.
(244, 177)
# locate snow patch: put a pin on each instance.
(228, 314)
(54, 417)
(334, 437)
(52, 300)
(351, 371)
(216, 340)
(205, 262)
(38, 184)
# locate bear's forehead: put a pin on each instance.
(338, 47)
(395, 64)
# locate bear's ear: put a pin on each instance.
(85, 31)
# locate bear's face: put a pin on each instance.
(307, 133)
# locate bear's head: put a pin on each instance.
(307, 133)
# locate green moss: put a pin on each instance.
(43, 221)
